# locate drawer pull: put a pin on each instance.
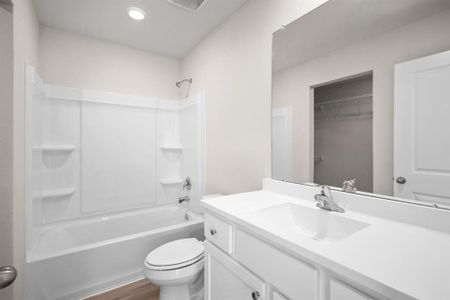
(255, 295)
(213, 232)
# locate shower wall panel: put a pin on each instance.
(191, 120)
(118, 157)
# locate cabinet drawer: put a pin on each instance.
(292, 277)
(341, 291)
(218, 232)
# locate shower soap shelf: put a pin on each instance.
(171, 181)
(171, 147)
(57, 193)
(55, 148)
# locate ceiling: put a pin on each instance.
(167, 29)
(340, 23)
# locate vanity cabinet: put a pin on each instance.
(241, 266)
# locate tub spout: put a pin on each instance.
(182, 199)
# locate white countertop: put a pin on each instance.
(409, 260)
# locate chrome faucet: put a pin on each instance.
(187, 185)
(327, 201)
(349, 186)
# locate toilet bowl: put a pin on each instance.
(174, 267)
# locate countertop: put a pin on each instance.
(409, 260)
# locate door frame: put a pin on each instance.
(285, 113)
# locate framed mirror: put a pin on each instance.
(361, 99)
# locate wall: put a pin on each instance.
(76, 61)
(233, 66)
(380, 54)
(6, 138)
(26, 51)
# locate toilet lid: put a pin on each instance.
(176, 252)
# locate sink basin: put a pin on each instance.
(315, 223)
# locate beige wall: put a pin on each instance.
(380, 54)
(6, 139)
(233, 66)
(77, 61)
(26, 51)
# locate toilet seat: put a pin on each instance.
(174, 266)
(171, 277)
(175, 255)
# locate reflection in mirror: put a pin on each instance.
(360, 91)
(343, 132)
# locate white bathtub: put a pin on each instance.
(73, 260)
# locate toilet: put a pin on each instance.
(176, 266)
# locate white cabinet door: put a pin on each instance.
(227, 280)
(341, 291)
(294, 278)
(422, 135)
(278, 296)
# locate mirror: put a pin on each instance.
(361, 91)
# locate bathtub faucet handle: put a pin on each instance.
(187, 185)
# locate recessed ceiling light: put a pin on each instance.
(136, 13)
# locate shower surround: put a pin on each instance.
(103, 175)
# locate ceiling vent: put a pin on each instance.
(190, 5)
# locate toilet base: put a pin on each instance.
(178, 292)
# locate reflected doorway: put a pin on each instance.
(343, 121)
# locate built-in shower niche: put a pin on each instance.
(97, 153)
(172, 152)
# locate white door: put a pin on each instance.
(422, 129)
(227, 280)
(282, 143)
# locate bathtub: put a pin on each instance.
(73, 260)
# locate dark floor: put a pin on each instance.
(139, 290)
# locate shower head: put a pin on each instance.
(179, 83)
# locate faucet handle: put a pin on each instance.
(187, 185)
(318, 197)
(324, 187)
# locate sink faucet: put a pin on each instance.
(327, 201)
